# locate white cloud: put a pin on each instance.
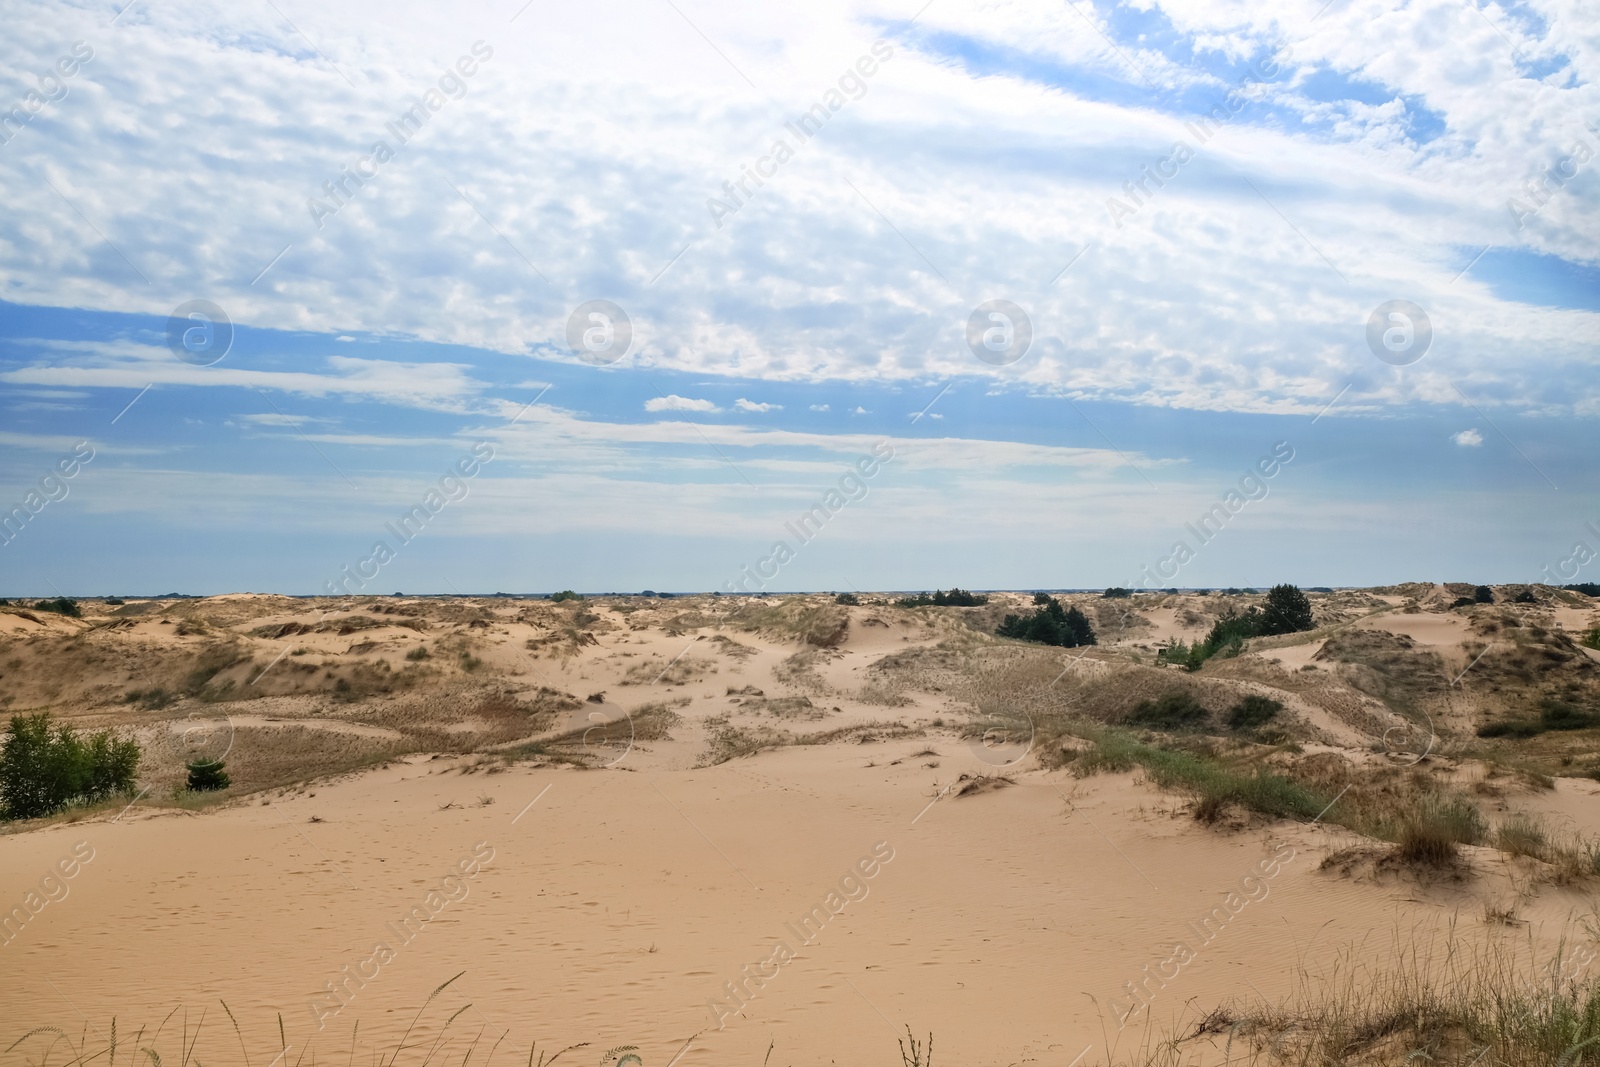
(819, 407)
(750, 405)
(128, 365)
(674, 402)
(1468, 438)
(1205, 298)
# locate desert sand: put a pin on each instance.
(622, 885)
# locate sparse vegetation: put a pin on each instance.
(955, 598)
(1252, 712)
(1177, 710)
(1431, 832)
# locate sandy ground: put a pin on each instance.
(617, 904)
(614, 906)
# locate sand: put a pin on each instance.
(613, 905)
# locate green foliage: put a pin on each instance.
(1525, 597)
(60, 606)
(565, 594)
(1591, 639)
(1483, 595)
(207, 776)
(418, 654)
(848, 599)
(1177, 710)
(1214, 784)
(1041, 599)
(955, 598)
(1287, 611)
(1253, 711)
(1050, 625)
(1116, 592)
(45, 768)
(111, 602)
(150, 699)
(1586, 588)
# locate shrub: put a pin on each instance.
(60, 606)
(848, 600)
(565, 594)
(1253, 711)
(150, 699)
(43, 769)
(207, 776)
(1559, 715)
(1525, 597)
(1177, 710)
(418, 654)
(1116, 592)
(1050, 625)
(1591, 639)
(1431, 831)
(1483, 595)
(1520, 728)
(1586, 588)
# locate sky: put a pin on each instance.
(687, 295)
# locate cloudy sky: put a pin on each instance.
(685, 269)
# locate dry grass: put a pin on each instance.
(1442, 1004)
(660, 670)
(822, 624)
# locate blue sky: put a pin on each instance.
(1182, 328)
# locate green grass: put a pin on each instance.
(1214, 783)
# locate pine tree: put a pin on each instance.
(208, 775)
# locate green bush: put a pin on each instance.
(1591, 639)
(1116, 592)
(208, 776)
(848, 600)
(1177, 710)
(43, 768)
(1483, 595)
(565, 594)
(60, 606)
(1050, 625)
(1253, 711)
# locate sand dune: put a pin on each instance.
(658, 894)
